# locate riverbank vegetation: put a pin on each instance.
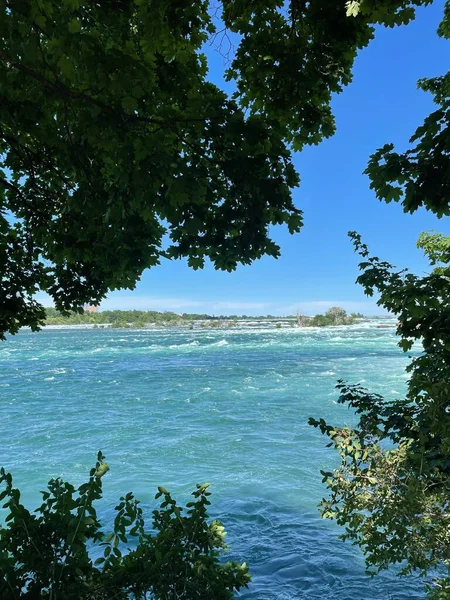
(62, 550)
(391, 491)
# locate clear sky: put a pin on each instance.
(317, 267)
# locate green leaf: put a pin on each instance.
(129, 103)
(74, 26)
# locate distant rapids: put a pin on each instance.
(230, 406)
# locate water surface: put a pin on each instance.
(174, 407)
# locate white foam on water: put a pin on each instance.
(186, 345)
(220, 343)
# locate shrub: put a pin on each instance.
(50, 553)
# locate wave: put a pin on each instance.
(220, 343)
(188, 344)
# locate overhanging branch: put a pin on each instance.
(67, 92)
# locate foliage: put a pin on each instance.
(142, 318)
(113, 141)
(117, 318)
(437, 248)
(387, 13)
(337, 314)
(440, 590)
(49, 553)
(334, 316)
(419, 176)
(357, 315)
(391, 491)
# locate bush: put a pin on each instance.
(439, 589)
(50, 553)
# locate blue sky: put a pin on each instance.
(317, 267)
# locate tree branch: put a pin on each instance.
(39, 157)
(11, 187)
(66, 92)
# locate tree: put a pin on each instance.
(334, 316)
(391, 491)
(112, 140)
(337, 315)
(319, 321)
(357, 315)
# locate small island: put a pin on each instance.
(138, 319)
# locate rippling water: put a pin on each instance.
(176, 407)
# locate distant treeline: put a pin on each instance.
(142, 318)
(121, 318)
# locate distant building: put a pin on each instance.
(90, 308)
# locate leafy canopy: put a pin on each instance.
(419, 177)
(116, 150)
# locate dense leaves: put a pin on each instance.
(116, 151)
(50, 553)
(392, 489)
(293, 56)
(420, 176)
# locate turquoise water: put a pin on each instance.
(176, 407)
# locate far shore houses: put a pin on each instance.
(90, 308)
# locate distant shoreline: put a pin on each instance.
(139, 319)
(202, 325)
